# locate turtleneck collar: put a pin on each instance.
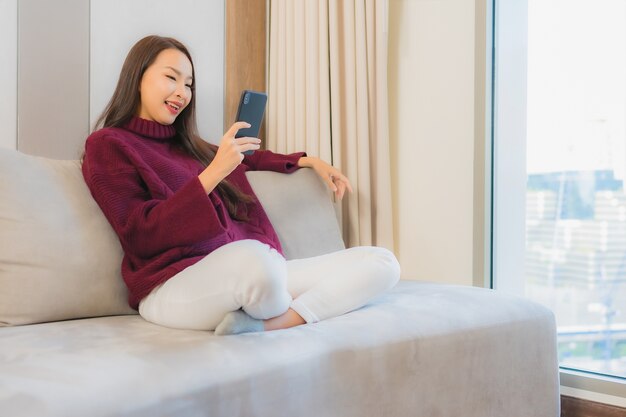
(150, 129)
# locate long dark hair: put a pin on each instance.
(126, 100)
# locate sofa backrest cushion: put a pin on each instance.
(60, 259)
(301, 211)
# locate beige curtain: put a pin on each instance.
(328, 96)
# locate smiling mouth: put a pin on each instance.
(173, 106)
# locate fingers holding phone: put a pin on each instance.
(228, 156)
(231, 148)
(243, 144)
(239, 140)
(233, 130)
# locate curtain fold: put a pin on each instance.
(328, 96)
(298, 82)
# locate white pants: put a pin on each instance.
(250, 275)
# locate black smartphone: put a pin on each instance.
(251, 110)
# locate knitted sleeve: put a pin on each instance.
(270, 161)
(146, 226)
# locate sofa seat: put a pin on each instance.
(421, 349)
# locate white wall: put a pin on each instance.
(8, 73)
(432, 113)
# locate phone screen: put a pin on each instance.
(251, 110)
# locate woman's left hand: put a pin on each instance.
(333, 178)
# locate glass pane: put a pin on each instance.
(576, 163)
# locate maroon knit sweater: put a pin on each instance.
(149, 190)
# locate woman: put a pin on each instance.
(199, 250)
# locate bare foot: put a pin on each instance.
(288, 319)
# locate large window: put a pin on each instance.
(561, 171)
(575, 260)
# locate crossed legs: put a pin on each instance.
(251, 276)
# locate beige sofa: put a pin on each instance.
(70, 346)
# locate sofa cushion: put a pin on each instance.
(301, 211)
(60, 259)
(419, 349)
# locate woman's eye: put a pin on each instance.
(171, 78)
(188, 86)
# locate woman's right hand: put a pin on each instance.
(229, 155)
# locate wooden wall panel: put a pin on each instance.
(246, 22)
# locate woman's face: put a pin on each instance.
(165, 88)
